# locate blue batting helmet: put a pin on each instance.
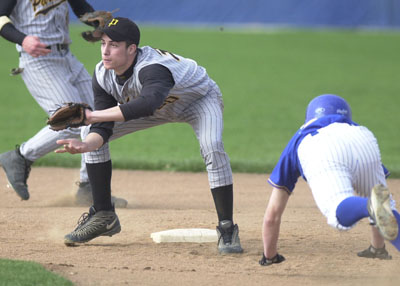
(327, 104)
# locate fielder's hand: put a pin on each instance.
(69, 115)
(73, 146)
(33, 46)
(276, 259)
(96, 19)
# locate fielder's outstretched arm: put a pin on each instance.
(94, 140)
(105, 115)
(272, 221)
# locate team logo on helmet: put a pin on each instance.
(320, 111)
(342, 111)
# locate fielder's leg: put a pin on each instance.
(49, 88)
(17, 170)
(17, 163)
(101, 220)
(207, 122)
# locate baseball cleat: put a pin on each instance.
(17, 170)
(93, 224)
(372, 252)
(381, 213)
(228, 237)
(84, 196)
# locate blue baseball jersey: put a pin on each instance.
(288, 169)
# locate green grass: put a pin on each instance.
(267, 77)
(22, 273)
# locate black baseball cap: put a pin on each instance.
(121, 29)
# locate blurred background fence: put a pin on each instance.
(302, 13)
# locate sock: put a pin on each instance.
(351, 210)
(100, 181)
(223, 199)
(396, 242)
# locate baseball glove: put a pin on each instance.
(96, 19)
(69, 115)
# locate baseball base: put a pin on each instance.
(197, 235)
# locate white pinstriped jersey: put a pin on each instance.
(339, 162)
(195, 99)
(45, 76)
(46, 19)
(191, 80)
(289, 168)
(338, 158)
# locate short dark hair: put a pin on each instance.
(128, 43)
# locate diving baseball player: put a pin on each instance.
(52, 75)
(341, 163)
(138, 88)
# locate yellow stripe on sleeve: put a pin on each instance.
(3, 21)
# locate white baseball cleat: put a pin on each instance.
(380, 211)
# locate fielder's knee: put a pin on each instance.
(218, 168)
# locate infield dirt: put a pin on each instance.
(315, 253)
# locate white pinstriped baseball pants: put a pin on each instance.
(205, 117)
(339, 162)
(53, 80)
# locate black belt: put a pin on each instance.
(59, 47)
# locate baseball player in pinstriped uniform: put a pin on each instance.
(52, 75)
(341, 163)
(138, 88)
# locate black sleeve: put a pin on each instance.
(9, 32)
(6, 7)
(80, 7)
(102, 100)
(156, 82)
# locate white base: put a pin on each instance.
(198, 235)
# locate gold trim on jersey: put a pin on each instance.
(283, 188)
(169, 99)
(44, 11)
(3, 21)
(165, 53)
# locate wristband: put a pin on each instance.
(4, 20)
